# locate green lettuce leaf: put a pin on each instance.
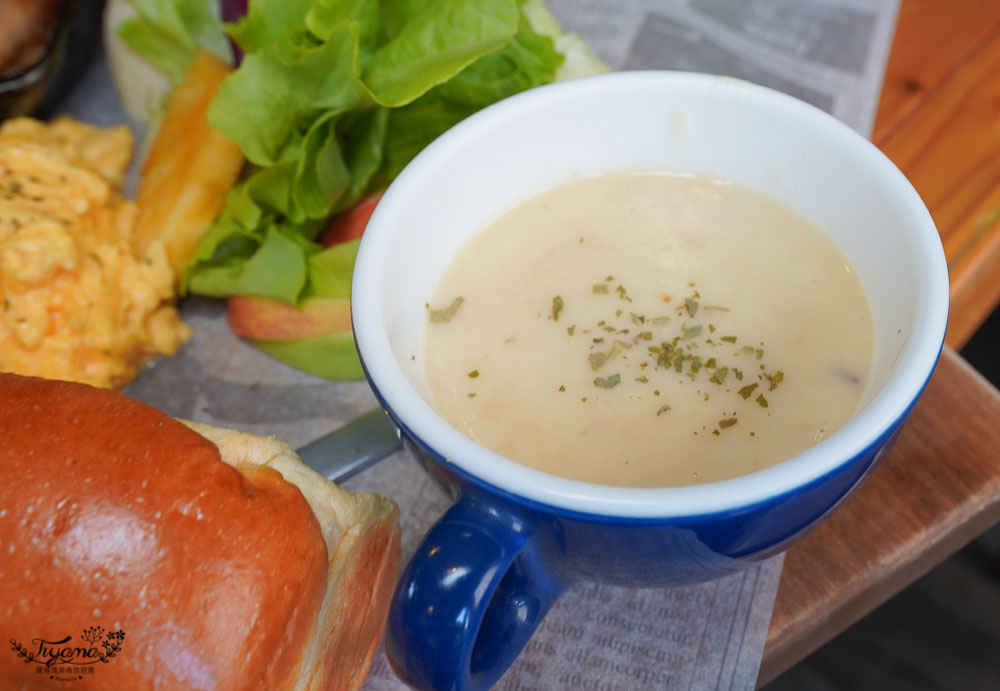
(168, 33)
(276, 24)
(333, 356)
(332, 100)
(267, 104)
(579, 59)
(526, 61)
(276, 268)
(331, 270)
(432, 42)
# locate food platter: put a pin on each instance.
(221, 379)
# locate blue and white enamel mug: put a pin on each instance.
(515, 538)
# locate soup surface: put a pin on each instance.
(649, 330)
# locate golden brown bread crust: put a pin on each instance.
(114, 515)
(363, 541)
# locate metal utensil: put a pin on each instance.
(352, 447)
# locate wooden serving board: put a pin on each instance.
(936, 489)
(939, 121)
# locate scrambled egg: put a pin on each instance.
(77, 303)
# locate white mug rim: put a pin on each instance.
(883, 413)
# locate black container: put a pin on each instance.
(39, 88)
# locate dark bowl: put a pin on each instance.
(39, 88)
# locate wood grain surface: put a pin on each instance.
(939, 121)
(939, 487)
(936, 489)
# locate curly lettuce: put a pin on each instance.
(332, 99)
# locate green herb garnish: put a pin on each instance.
(761, 401)
(597, 360)
(557, 307)
(776, 379)
(600, 289)
(719, 375)
(608, 382)
(691, 306)
(473, 374)
(748, 390)
(663, 408)
(445, 315)
(692, 331)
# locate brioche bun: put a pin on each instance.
(226, 562)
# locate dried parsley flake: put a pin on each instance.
(719, 375)
(445, 315)
(776, 379)
(608, 382)
(557, 307)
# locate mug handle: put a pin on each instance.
(470, 598)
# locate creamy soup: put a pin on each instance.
(649, 330)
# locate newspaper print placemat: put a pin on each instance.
(595, 637)
(830, 53)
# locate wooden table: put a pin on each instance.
(939, 487)
(939, 120)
